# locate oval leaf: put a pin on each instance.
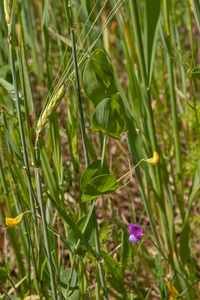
(92, 171)
(97, 78)
(109, 117)
(73, 292)
(100, 185)
(101, 56)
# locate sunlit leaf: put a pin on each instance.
(108, 117)
(97, 77)
(100, 185)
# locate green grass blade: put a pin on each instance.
(196, 9)
(72, 225)
(152, 12)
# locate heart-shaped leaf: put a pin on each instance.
(109, 117)
(92, 171)
(100, 185)
(73, 291)
(94, 184)
(97, 77)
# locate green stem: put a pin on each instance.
(71, 273)
(166, 16)
(140, 51)
(194, 104)
(44, 223)
(80, 109)
(176, 133)
(130, 170)
(191, 35)
(100, 267)
(25, 156)
(103, 152)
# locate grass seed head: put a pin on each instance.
(7, 11)
(50, 108)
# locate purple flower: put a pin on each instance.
(136, 233)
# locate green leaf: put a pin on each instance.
(93, 184)
(101, 56)
(47, 173)
(184, 242)
(14, 146)
(88, 234)
(92, 171)
(66, 40)
(10, 90)
(43, 269)
(100, 185)
(159, 274)
(184, 236)
(195, 4)
(69, 247)
(152, 12)
(97, 77)
(73, 292)
(4, 70)
(72, 225)
(124, 251)
(109, 117)
(116, 279)
(3, 275)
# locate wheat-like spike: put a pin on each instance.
(7, 11)
(50, 108)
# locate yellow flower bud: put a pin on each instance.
(154, 160)
(13, 222)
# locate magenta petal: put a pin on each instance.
(133, 239)
(136, 233)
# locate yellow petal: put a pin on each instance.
(11, 222)
(154, 160)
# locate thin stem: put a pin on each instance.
(22, 136)
(44, 223)
(131, 170)
(80, 109)
(191, 35)
(136, 25)
(103, 152)
(70, 276)
(176, 133)
(100, 267)
(25, 156)
(194, 104)
(166, 19)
